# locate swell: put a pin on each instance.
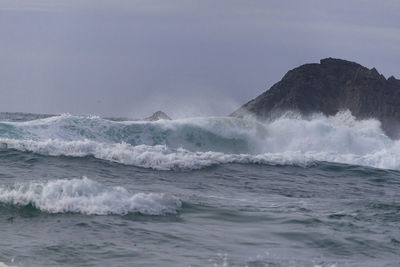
(200, 142)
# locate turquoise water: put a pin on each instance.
(85, 191)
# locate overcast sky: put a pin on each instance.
(188, 58)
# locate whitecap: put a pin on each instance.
(169, 145)
(88, 197)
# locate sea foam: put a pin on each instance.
(88, 197)
(201, 142)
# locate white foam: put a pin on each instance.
(288, 140)
(157, 157)
(88, 197)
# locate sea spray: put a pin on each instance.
(231, 214)
(201, 142)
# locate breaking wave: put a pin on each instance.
(199, 142)
(87, 197)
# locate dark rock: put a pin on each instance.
(392, 79)
(329, 87)
(159, 115)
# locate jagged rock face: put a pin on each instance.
(328, 87)
(159, 115)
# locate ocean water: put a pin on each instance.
(215, 191)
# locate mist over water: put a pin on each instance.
(204, 191)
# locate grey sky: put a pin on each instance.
(205, 57)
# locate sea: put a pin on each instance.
(202, 191)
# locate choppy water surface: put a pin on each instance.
(85, 191)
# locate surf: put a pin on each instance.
(195, 143)
(87, 197)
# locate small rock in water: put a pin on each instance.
(159, 115)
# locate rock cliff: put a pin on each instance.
(330, 86)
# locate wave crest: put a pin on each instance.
(201, 142)
(229, 135)
(88, 197)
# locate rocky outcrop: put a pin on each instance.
(328, 87)
(159, 115)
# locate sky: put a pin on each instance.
(130, 58)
